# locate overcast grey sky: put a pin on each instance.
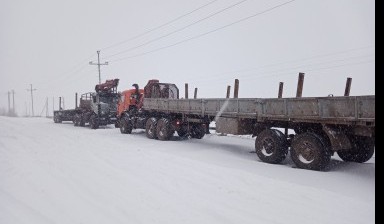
(206, 43)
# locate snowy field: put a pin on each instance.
(58, 173)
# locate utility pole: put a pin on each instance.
(13, 102)
(9, 102)
(98, 64)
(32, 98)
(26, 109)
(46, 110)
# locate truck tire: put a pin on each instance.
(309, 151)
(150, 128)
(271, 146)
(94, 122)
(125, 126)
(77, 119)
(183, 131)
(82, 122)
(198, 131)
(362, 150)
(163, 129)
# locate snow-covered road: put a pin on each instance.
(58, 173)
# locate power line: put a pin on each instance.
(285, 70)
(74, 70)
(178, 30)
(206, 33)
(212, 76)
(158, 27)
(65, 75)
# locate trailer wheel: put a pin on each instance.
(198, 131)
(150, 128)
(76, 120)
(125, 126)
(309, 151)
(271, 146)
(362, 150)
(163, 129)
(94, 122)
(57, 119)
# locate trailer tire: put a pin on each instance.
(309, 151)
(198, 131)
(362, 150)
(271, 146)
(94, 122)
(57, 119)
(164, 130)
(125, 126)
(150, 128)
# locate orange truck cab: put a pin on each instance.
(130, 114)
(130, 100)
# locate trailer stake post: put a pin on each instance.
(300, 83)
(236, 91)
(348, 86)
(228, 91)
(280, 94)
(186, 90)
(75, 100)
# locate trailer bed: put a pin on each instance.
(348, 110)
(65, 115)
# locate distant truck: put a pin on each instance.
(322, 125)
(96, 108)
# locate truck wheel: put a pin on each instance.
(125, 126)
(271, 146)
(150, 128)
(94, 122)
(362, 150)
(183, 131)
(82, 122)
(198, 131)
(309, 151)
(163, 129)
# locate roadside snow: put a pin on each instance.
(58, 173)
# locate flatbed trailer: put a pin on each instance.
(356, 112)
(321, 125)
